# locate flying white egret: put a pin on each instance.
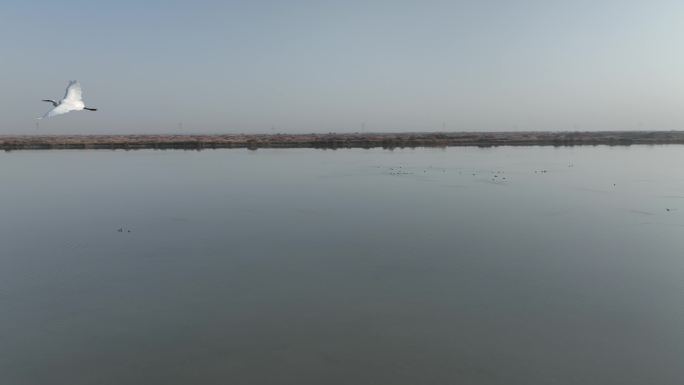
(72, 101)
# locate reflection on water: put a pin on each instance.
(427, 266)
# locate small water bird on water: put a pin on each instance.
(72, 101)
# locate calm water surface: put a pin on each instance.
(354, 267)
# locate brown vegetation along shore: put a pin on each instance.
(332, 141)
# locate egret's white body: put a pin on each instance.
(72, 101)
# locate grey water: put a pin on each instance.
(525, 265)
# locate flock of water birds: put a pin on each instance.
(72, 101)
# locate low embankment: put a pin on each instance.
(332, 141)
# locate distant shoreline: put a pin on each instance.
(334, 141)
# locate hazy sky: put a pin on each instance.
(320, 66)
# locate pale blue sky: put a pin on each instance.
(320, 66)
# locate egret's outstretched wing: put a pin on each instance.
(73, 92)
(59, 110)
